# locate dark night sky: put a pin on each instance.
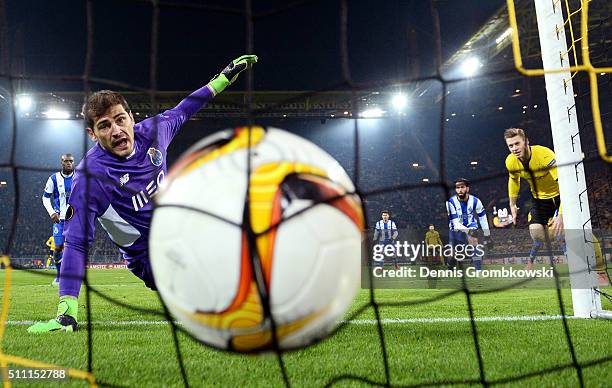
(298, 49)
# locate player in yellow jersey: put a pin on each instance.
(51, 244)
(534, 163)
(433, 246)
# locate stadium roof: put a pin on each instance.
(490, 43)
(487, 45)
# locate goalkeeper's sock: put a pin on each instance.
(533, 252)
(68, 305)
(66, 320)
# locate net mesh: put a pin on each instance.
(590, 131)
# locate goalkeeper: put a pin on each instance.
(433, 247)
(115, 181)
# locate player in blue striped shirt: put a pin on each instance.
(55, 201)
(465, 212)
(385, 233)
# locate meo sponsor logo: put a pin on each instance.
(142, 197)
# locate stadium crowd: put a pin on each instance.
(388, 179)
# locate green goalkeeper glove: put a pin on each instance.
(231, 72)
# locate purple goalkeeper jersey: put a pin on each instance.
(119, 192)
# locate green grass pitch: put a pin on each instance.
(129, 349)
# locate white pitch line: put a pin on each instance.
(385, 321)
(91, 285)
(100, 323)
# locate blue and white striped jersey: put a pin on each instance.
(466, 215)
(384, 232)
(58, 186)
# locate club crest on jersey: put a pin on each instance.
(156, 156)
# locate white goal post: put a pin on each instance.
(566, 139)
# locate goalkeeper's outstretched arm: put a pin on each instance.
(228, 75)
(196, 100)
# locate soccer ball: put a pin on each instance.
(227, 255)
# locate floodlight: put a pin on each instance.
(24, 103)
(54, 113)
(470, 66)
(372, 113)
(399, 101)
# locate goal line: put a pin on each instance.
(385, 321)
